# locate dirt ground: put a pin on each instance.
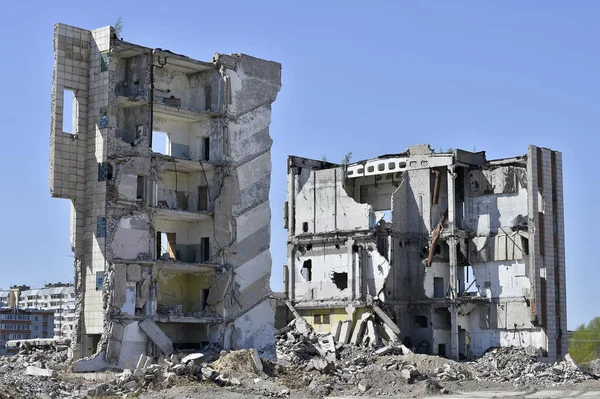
(422, 389)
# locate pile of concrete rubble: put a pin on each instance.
(368, 359)
(521, 367)
(367, 354)
(38, 358)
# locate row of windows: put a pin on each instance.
(18, 336)
(10, 316)
(15, 326)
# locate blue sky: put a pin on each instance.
(367, 77)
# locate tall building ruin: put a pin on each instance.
(463, 253)
(171, 244)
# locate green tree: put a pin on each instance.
(584, 346)
(119, 26)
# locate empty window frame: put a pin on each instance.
(438, 287)
(99, 280)
(105, 171)
(141, 188)
(206, 149)
(100, 227)
(161, 143)
(307, 270)
(69, 112)
(166, 245)
(205, 248)
(422, 321)
(202, 198)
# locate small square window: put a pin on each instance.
(100, 227)
(99, 280)
(102, 171)
(318, 319)
(103, 122)
(103, 62)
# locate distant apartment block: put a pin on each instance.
(58, 298)
(18, 323)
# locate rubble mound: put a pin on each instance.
(237, 363)
(521, 366)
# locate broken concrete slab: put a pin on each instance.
(119, 282)
(345, 331)
(335, 330)
(386, 320)
(359, 329)
(156, 335)
(218, 289)
(256, 359)
(370, 334)
(93, 363)
(193, 357)
(40, 372)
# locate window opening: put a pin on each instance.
(307, 270)
(438, 287)
(161, 143)
(206, 148)
(69, 116)
(422, 321)
(340, 280)
(202, 198)
(99, 280)
(205, 248)
(203, 298)
(166, 245)
(304, 227)
(141, 188)
(322, 319)
(100, 227)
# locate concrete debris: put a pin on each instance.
(354, 369)
(521, 367)
(156, 335)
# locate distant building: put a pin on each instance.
(18, 323)
(58, 298)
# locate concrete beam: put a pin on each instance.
(156, 335)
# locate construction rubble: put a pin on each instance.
(317, 364)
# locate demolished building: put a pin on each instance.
(462, 253)
(171, 249)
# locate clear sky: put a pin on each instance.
(367, 77)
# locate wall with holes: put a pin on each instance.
(322, 272)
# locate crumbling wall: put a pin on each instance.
(411, 227)
(241, 207)
(322, 273)
(323, 205)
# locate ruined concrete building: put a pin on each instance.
(462, 253)
(171, 249)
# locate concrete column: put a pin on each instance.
(351, 266)
(453, 260)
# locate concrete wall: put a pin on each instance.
(323, 205)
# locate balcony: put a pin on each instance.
(164, 108)
(184, 267)
(176, 215)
